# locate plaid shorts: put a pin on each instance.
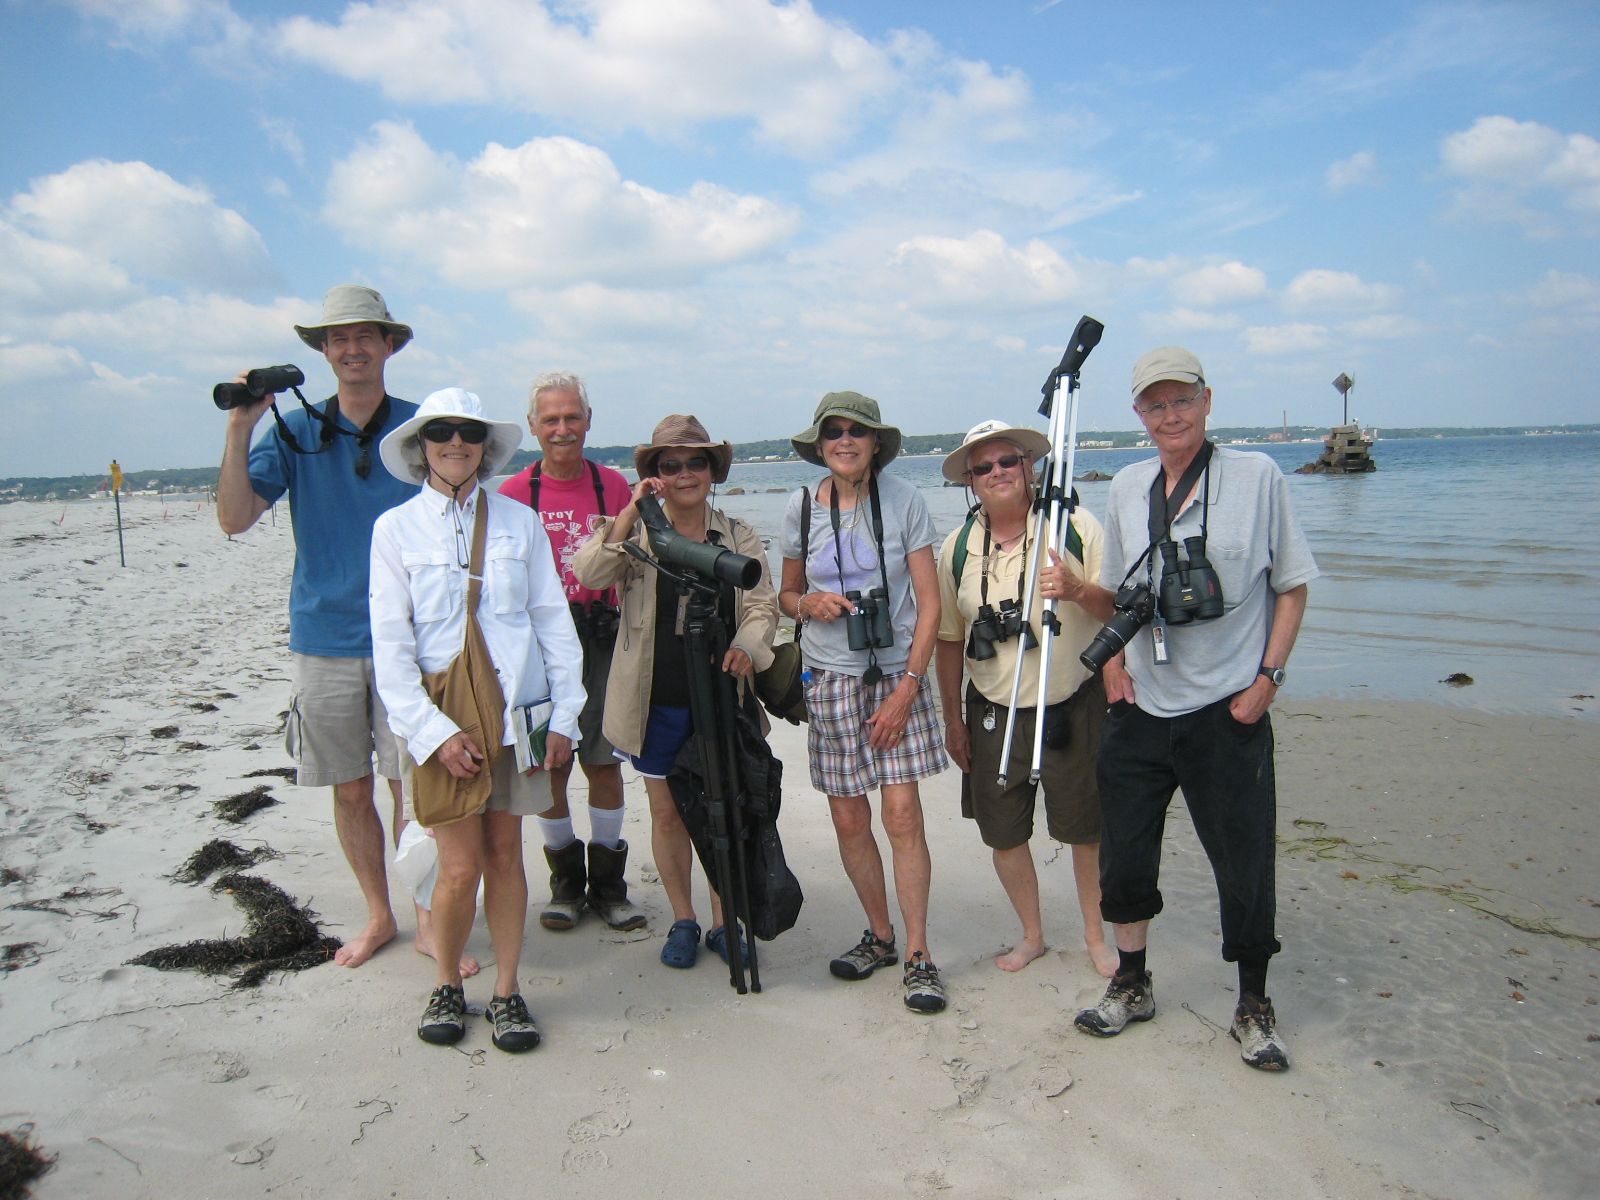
(843, 763)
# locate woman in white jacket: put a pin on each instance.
(421, 551)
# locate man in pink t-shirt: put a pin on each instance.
(571, 494)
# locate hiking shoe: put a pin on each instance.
(924, 988)
(514, 1030)
(1127, 998)
(1255, 1028)
(444, 1020)
(868, 955)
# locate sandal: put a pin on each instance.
(717, 940)
(682, 945)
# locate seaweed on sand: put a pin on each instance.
(280, 935)
(21, 1163)
(276, 772)
(243, 805)
(219, 854)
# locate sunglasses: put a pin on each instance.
(675, 466)
(1009, 462)
(834, 432)
(471, 432)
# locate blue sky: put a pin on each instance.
(730, 207)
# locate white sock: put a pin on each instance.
(605, 825)
(556, 831)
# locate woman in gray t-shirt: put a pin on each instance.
(866, 600)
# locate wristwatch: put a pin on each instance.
(1273, 673)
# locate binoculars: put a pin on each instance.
(868, 627)
(1190, 591)
(257, 383)
(991, 626)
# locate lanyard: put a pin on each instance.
(983, 583)
(594, 475)
(877, 531)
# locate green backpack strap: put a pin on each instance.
(958, 557)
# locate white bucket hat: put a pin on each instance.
(1034, 444)
(402, 454)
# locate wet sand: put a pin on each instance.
(1439, 986)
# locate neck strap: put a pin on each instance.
(594, 476)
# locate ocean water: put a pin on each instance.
(1478, 556)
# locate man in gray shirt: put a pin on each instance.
(1190, 692)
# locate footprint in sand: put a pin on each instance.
(584, 1160)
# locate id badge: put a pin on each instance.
(1158, 642)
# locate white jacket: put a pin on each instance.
(418, 597)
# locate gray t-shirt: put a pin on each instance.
(1258, 550)
(851, 564)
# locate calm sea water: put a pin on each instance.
(1472, 555)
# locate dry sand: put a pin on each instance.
(1438, 986)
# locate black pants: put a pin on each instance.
(1224, 770)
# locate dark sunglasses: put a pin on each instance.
(834, 432)
(440, 432)
(674, 466)
(1009, 461)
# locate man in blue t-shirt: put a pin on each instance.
(326, 459)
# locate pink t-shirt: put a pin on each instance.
(567, 507)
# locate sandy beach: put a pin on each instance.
(1439, 987)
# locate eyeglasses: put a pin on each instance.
(675, 466)
(472, 433)
(1007, 462)
(834, 432)
(1181, 405)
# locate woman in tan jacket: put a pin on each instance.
(647, 700)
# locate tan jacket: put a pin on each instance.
(598, 565)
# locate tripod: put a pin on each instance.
(1053, 509)
(712, 705)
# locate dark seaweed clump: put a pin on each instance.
(16, 956)
(276, 772)
(243, 805)
(280, 935)
(218, 855)
(21, 1163)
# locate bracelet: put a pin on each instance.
(914, 675)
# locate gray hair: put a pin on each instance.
(558, 381)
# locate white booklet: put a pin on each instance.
(529, 725)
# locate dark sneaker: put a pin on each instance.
(924, 988)
(444, 1020)
(868, 955)
(1127, 998)
(514, 1030)
(1255, 1028)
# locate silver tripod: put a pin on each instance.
(1052, 514)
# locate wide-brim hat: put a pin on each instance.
(682, 432)
(858, 408)
(1166, 362)
(1033, 443)
(401, 449)
(352, 304)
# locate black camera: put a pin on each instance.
(596, 623)
(868, 627)
(257, 383)
(990, 627)
(703, 558)
(1190, 591)
(1136, 607)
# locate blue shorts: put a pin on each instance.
(665, 732)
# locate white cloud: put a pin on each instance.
(39, 276)
(981, 270)
(158, 19)
(1322, 289)
(1388, 327)
(1190, 320)
(593, 313)
(1285, 339)
(1513, 169)
(1220, 284)
(548, 212)
(131, 215)
(1359, 170)
(35, 362)
(1559, 289)
(658, 65)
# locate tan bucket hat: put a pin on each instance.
(682, 432)
(352, 304)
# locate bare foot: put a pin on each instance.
(1020, 955)
(469, 966)
(1104, 958)
(365, 944)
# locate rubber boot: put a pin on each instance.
(567, 883)
(608, 891)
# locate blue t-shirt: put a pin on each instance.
(332, 510)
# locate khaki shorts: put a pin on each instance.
(337, 723)
(513, 792)
(1071, 793)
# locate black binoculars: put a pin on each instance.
(990, 627)
(257, 383)
(868, 627)
(1190, 591)
(596, 622)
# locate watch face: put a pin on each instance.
(1275, 674)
